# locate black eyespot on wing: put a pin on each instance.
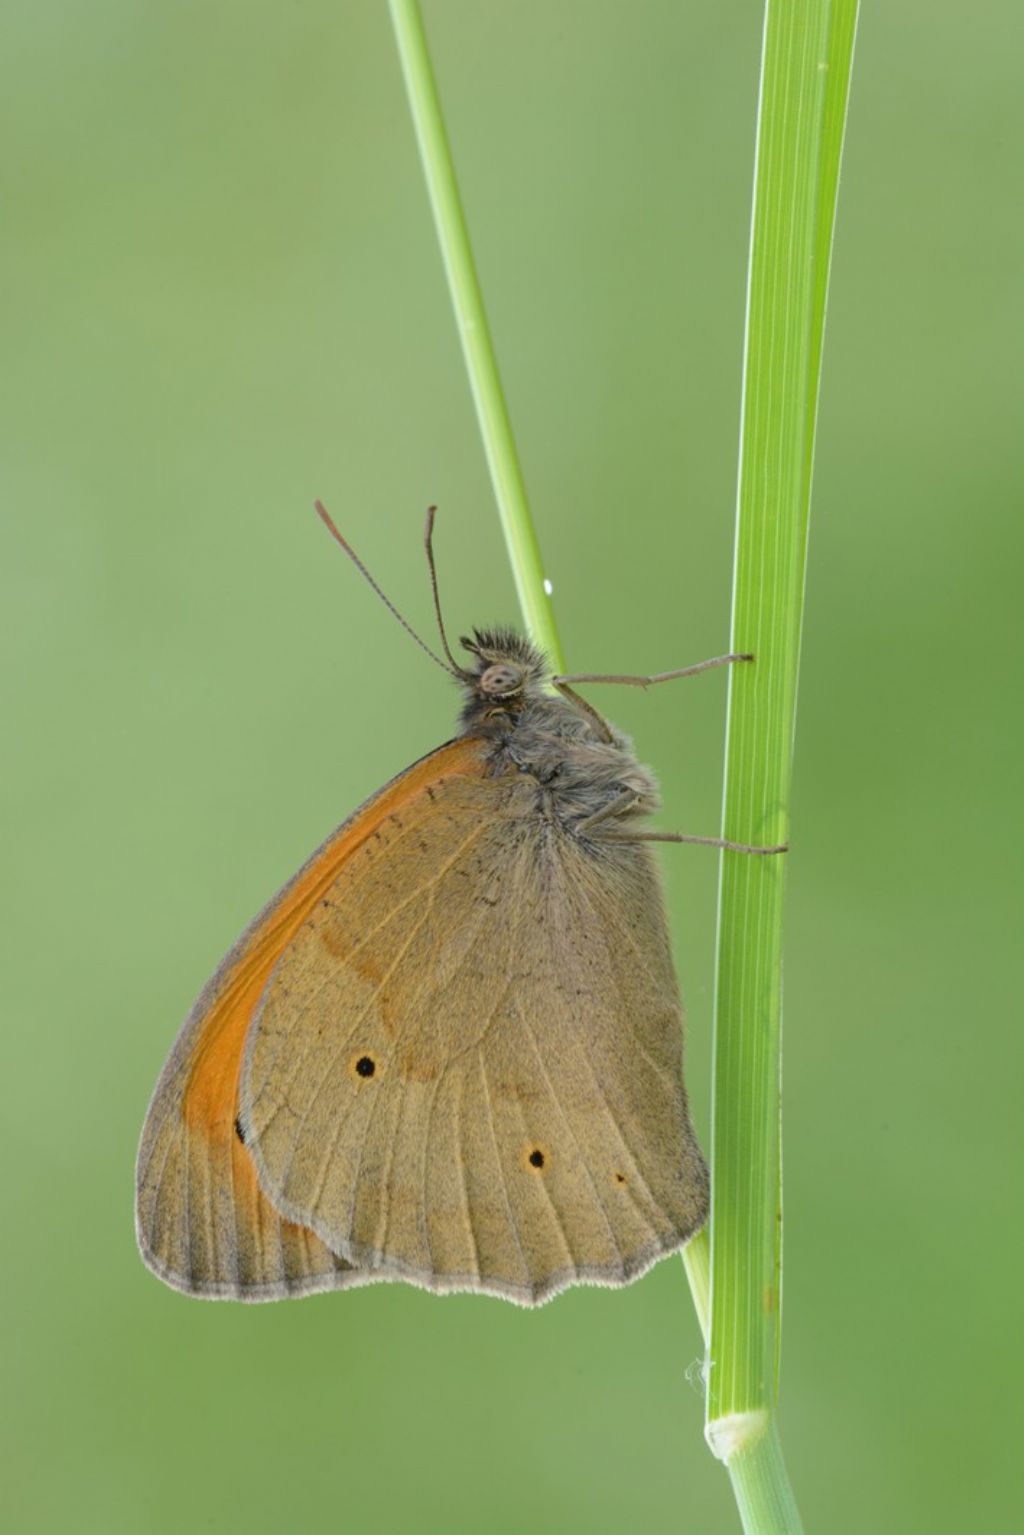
(620, 1177)
(365, 1066)
(534, 1157)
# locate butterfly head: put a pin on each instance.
(504, 672)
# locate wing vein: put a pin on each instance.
(572, 1136)
(364, 939)
(623, 1012)
(424, 1222)
(501, 1170)
(315, 995)
(460, 1158)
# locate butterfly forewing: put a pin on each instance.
(203, 1223)
(465, 1068)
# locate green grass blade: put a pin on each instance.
(806, 64)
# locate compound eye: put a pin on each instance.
(500, 680)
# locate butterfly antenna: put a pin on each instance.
(328, 523)
(428, 540)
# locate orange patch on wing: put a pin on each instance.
(211, 1094)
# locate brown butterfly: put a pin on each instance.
(449, 1051)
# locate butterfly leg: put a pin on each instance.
(628, 800)
(561, 683)
(620, 805)
(599, 722)
(678, 836)
(568, 692)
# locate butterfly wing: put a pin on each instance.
(203, 1223)
(466, 1068)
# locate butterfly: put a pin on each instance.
(450, 1050)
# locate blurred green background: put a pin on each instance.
(222, 298)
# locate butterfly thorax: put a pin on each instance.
(581, 765)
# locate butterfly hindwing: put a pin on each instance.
(466, 1066)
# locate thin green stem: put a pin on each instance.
(474, 332)
(805, 75)
(697, 1264)
(761, 1486)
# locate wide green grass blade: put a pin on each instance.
(806, 64)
